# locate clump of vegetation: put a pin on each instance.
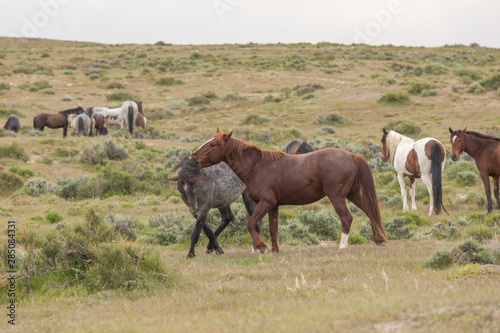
(442, 230)
(480, 233)
(416, 88)
(468, 74)
(65, 152)
(466, 178)
(121, 97)
(178, 105)
(168, 81)
(9, 183)
(198, 100)
(301, 90)
(14, 150)
(23, 172)
(37, 186)
(68, 188)
(491, 83)
(123, 225)
(397, 229)
(405, 127)
(332, 119)
(99, 152)
(53, 217)
(323, 224)
(300, 232)
(441, 259)
(254, 119)
(115, 85)
(475, 88)
(394, 98)
(4, 86)
(470, 252)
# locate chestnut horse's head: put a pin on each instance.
(212, 152)
(457, 140)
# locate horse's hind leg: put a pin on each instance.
(401, 180)
(345, 218)
(273, 228)
(496, 191)
(250, 206)
(412, 194)
(426, 179)
(226, 218)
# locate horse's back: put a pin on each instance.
(222, 182)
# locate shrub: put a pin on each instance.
(394, 98)
(198, 100)
(178, 105)
(441, 259)
(472, 73)
(301, 232)
(442, 230)
(323, 224)
(254, 120)
(405, 127)
(389, 81)
(470, 252)
(301, 90)
(9, 183)
(65, 152)
(475, 88)
(332, 119)
(15, 150)
(4, 86)
(53, 217)
(114, 85)
(491, 83)
(492, 220)
(476, 217)
(479, 233)
(452, 172)
(168, 81)
(48, 91)
(416, 88)
(123, 225)
(122, 97)
(68, 188)
(23, 172)
(355, 239)
(397, 229)
(466, 178)
(37, 186)
(115, 151)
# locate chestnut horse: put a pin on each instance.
(57, 120)
(485, 150)
(274, 178)
(416, 159)
(101, 123)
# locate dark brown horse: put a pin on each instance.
(298, 147)
(485, 150)
(57, 120)
(140, 121)
(274, 178)
(12, 124)
(101, 123)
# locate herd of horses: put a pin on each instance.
(225, 167)
(85, 121)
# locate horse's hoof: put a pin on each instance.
(190, 255)
(265, 251)
(210, 251)
(219, 251)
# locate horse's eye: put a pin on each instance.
(212, 145)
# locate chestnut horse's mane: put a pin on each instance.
(235, 148)
(482, 136)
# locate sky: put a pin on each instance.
(376, 22)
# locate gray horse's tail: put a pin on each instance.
(130, 119)
(80, 128)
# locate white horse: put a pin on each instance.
(414, 160)
(127, 112)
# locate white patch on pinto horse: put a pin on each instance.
(344, 240)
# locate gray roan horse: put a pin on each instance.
(296, 147)
(202, 190)
(84, 123)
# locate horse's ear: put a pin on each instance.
(464, 130)
(451, 131)
(217, 129)
(397, 129)
(385, 132)
(227, 136)
(174, 178)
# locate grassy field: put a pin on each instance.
(109, 198)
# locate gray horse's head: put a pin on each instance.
(188, 176)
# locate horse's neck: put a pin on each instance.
(474, 145)
(243, 165)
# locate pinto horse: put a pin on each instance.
(416, 159)
(57, 120)
(274, 178)
(485, 150)
(101, 123)
(298, 147)
(127, 112)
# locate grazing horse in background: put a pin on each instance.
(416, 159)
(84, 123)
(57, 120)
(485, 150)
(12, 124)
(72, 122)
(203, 189)
(127, 112)
(296, 147)
(140, 121)
(274, 178)
(101, 123)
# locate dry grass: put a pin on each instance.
(314, 288)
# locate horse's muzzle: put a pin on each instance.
(454, 157)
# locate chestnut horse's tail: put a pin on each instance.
(437, 187)
(364, 179)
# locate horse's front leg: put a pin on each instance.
(261, 210)
(226, 218)
(401, 180)
(195, 235)
(273, 228)
(65, 131)
(496, 191)
(486, 182)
